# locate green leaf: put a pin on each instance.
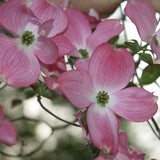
(42, 89)
(146, 58)
(131, 84)
(2, 1)
(133, 46)
(16, 102)
(113, 40)
(150, 74)
(29, 94)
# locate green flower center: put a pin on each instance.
(102, 98)
(84, 53)
(28, 38)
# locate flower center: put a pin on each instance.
(28, 38)
(102, 98)
(84, 53)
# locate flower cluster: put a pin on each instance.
(43, 34)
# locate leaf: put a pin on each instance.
(150, 74)
(29, 94)
(113, 40)
(2, 1)
(146, 58)
(16, 102)
(133, 46)
(42, 89)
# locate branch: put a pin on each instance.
(3, 87)
(38, 147)
(70, 123)
(156, 126)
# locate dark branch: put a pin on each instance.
(70, 123)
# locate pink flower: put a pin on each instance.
(142, 14)
(20, 56)
(80, 35)
(125, 152)
(100, 89)
(8, 133)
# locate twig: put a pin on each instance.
(38, 147)
(156, 126)
(3, 87)
(70, 123)
(153, 130)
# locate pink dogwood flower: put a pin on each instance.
(80, 35)
(21, 56)
(125, 152)
(101, 90)
(8, 133)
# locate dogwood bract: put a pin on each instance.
(81, 37)
(102, 91)
(8, 133)
(20, 56)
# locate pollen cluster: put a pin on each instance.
(27, 38)
(84, 53)
(102, 98)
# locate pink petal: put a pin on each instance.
(1, 112)
(82, 65)
(78, 29)
(8, 133)
(64, 3)
(155, 44)
(85, 134)
(103, 128)
(65, 47)
(136, 153)
(100, 157)
(46, 50)
(134, 104)
(46, 28)
(113, 69)
(50, 82)
(2, 35)
(142, 14)
(42, 9)
(57, 68)
(105, 30)
(19, 67)
(121, 156)
(15, 15)
(93, 18)
(77, 87)
(46, 11)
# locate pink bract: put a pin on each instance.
(125, 152)
(108, 73)
(48, 10)
(142, 14)
(81, 37)
(19, 58)
(8, 133)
